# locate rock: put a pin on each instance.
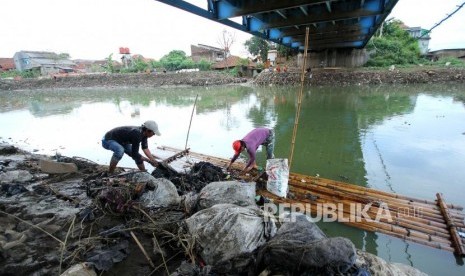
(49, 166)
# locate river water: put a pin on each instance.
(403, 139)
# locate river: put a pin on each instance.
(403, 139)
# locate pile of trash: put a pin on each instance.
(200, 223)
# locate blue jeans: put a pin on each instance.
(269, 144)
(117, 149)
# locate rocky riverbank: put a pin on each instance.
(319, 76)
(60, 213)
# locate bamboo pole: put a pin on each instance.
(398, 218)
(372, 212)
(385, 228)
(326, 182)
(299, 98)
(142, 249)
(425, 211)
(190, 122)
(456, 240)
(317, 180)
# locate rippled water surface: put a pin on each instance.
(408, 139)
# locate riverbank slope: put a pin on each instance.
(319, 76)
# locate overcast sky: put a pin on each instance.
(93, 29)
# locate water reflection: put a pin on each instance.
(409, 140)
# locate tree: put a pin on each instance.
(284, 51)
(64, 56)
(257, 46)
(226, 40)
(173, 60)
(110, 67)
(395, 46)
(139, 65)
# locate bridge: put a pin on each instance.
(333, 24)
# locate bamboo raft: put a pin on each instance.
(431, 223)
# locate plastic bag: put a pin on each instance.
(225, 231)
(165, 194)
(232, 192)
(278, 176)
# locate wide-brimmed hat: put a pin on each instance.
(151, 125)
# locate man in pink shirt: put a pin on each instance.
(258, 136)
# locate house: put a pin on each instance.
(422, 35)
(457, 53)
(272, 56)
(6, 64)
(244, 69)
(46, 62)
(208, 53)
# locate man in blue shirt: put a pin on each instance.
(258, 136)
(126, 139)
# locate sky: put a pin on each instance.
(94, 29)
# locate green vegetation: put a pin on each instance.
(110, 66)
(257, 46)
(284, 51)
(391, 45)
(450, 61)
(34, 73)
(177, 60)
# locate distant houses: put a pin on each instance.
(455, 53)
(422, 36)
(7, 64)
(208, 53)
(46, 62)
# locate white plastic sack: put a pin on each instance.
(165, 194)
(278, 176)
(233, 192)
(225, 231)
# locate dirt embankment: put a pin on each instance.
(319, 76)
(343, 77)
(123, 80)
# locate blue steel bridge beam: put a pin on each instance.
(214, 10)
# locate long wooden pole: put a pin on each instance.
(456, 240)
(190, 122)
(299, 98)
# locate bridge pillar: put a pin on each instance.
(335, 58)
